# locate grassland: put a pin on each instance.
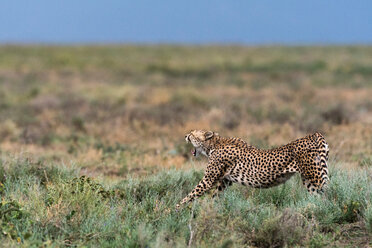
(118, 115)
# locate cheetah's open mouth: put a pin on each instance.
(193, 151)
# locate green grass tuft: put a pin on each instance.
(53, 205)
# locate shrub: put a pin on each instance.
(12, 217)
(286, 229)
(337, 114)
(368, 218)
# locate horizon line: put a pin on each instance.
(181, 44)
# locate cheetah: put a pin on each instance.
(232, 160)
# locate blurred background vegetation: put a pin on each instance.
(119, 110)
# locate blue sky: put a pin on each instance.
(200, 22)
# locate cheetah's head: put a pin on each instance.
(201, 140)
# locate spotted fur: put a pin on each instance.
(233, 160)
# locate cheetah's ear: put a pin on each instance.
(208, 135)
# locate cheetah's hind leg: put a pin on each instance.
(314, 174)
(312, 185)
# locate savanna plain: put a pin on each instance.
(93, 151)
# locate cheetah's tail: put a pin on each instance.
(323, 155)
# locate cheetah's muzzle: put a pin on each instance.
(193, 151)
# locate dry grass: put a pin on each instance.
(124, 110)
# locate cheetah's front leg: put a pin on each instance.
(221, 186)
(210, 178)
